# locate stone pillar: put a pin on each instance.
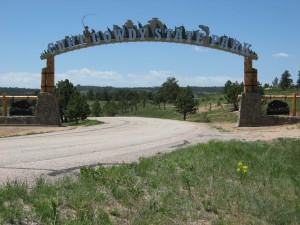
(250, 110)
(47, 110)
(47, 79)
(250, 103)
(4, 105)
(250, 76)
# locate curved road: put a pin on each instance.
(119, 140)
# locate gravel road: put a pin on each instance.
(119, 140)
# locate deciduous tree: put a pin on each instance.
(231, 91)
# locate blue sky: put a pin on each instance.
(271, 26)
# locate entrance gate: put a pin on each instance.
(155, 31)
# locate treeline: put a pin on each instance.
(285, 82)
(112, 93)
(18, 91)
(108, 92)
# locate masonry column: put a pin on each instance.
(47, 108)
(250, 76)
(47, 79)
(250, 104)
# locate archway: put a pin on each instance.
(156, 31)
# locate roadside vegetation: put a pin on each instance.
(216, 183)
(86, 122)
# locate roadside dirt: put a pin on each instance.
(8, 131)
(244, 133)
(265, 133)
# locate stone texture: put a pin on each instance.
(17, 120)
(47, 109)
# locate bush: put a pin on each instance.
(20, 108)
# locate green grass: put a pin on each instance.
(216, 115)
(195, 185)
(278, 91)
(86, 122)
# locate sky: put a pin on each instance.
(27, 27)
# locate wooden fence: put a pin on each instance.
(5, 97)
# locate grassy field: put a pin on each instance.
(195, 185)
(213, 109)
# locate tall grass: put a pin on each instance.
(195, 185)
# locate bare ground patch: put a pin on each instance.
(264, 133)
(8, 131)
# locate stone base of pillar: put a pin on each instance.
(250, 110)
(251, 113)
(47, 109)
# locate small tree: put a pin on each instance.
(161, 97)
(170, 89)
(85, 108)
(231, 92)
(185, 102)
(110, 108)
(64, 90)
(286, 81)
(96, 108)
(77, 107)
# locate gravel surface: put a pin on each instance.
(119, 140)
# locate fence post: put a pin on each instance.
(294, 105)
(4, 105)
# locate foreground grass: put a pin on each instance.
(196, 185)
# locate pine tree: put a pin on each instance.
(96, 108)
(64, 90)
(77, 107)
(286, 81)
(110, 108)
(186, 103)
(170, 89)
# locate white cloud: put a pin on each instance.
(20, 79)
(201, 80)
(200, 49)
(281, 55)
(86, 76)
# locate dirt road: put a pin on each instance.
(119, 140)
